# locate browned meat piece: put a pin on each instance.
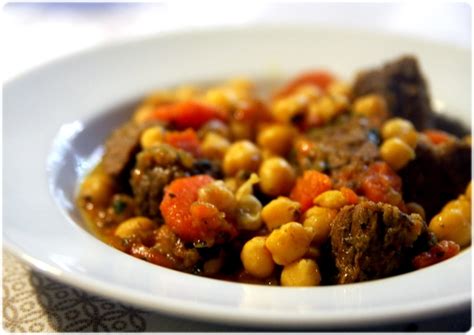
(439, 173)
(403, 86)
(121, 147)
(371, 241)
(155, 168)
(344, 149)
(173, 248)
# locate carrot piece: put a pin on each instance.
(437, 136)
(309, 186)
(186, 140)
(318, 78)
(350, 195)
(381, 183)
(194, 221)
(187, 114)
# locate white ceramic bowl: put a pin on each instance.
(56, 117)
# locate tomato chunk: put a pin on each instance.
(309, 186)
(437, 136)
(382, 184)
(186, 140)
(439, 252)
(187, 114)
(318, 78)
(194, 221)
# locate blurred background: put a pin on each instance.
(36, 33)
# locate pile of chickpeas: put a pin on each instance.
(293, 238)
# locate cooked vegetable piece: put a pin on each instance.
(190, 220)
(309, 186)
(440, 252)
(382, 184)
(186, 140)
(187, 114)
(304, 272)
(319, 79)
(256, 258)
(288, 243)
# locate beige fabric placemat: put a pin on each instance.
(34, 303)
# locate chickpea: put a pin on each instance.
(304, 272)
(468, 191)
(288, 243)
(339, 88)
(241, 130)
(324, 108)
(280, 211)
(277, 176)
(218, 98)
(136, 226)
(371, 105)
(241, 155)
(217, 194)
(319, 219)
(462, 204)
(214, 146)
(284, 109)
(452, 225)
(248, 213)
(396, 153)
(215, 126)
(98, 189)
(277, 138)
(331, 199)
(256, 258)
(152, 136)
(401, 128)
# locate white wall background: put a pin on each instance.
(36, 33)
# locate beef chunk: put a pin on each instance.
(372, 240)
(155, 168)
(344, 149)
(439, 173)
(121, 147)
(403, 86)
(181, 256)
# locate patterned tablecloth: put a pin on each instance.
(34, 303)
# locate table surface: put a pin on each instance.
(38, 33)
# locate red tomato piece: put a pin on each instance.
(437, 136)
(187, 114)
(382, 184)
(439, 252)
(308, 187)
(318, 78)
(186, 140)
